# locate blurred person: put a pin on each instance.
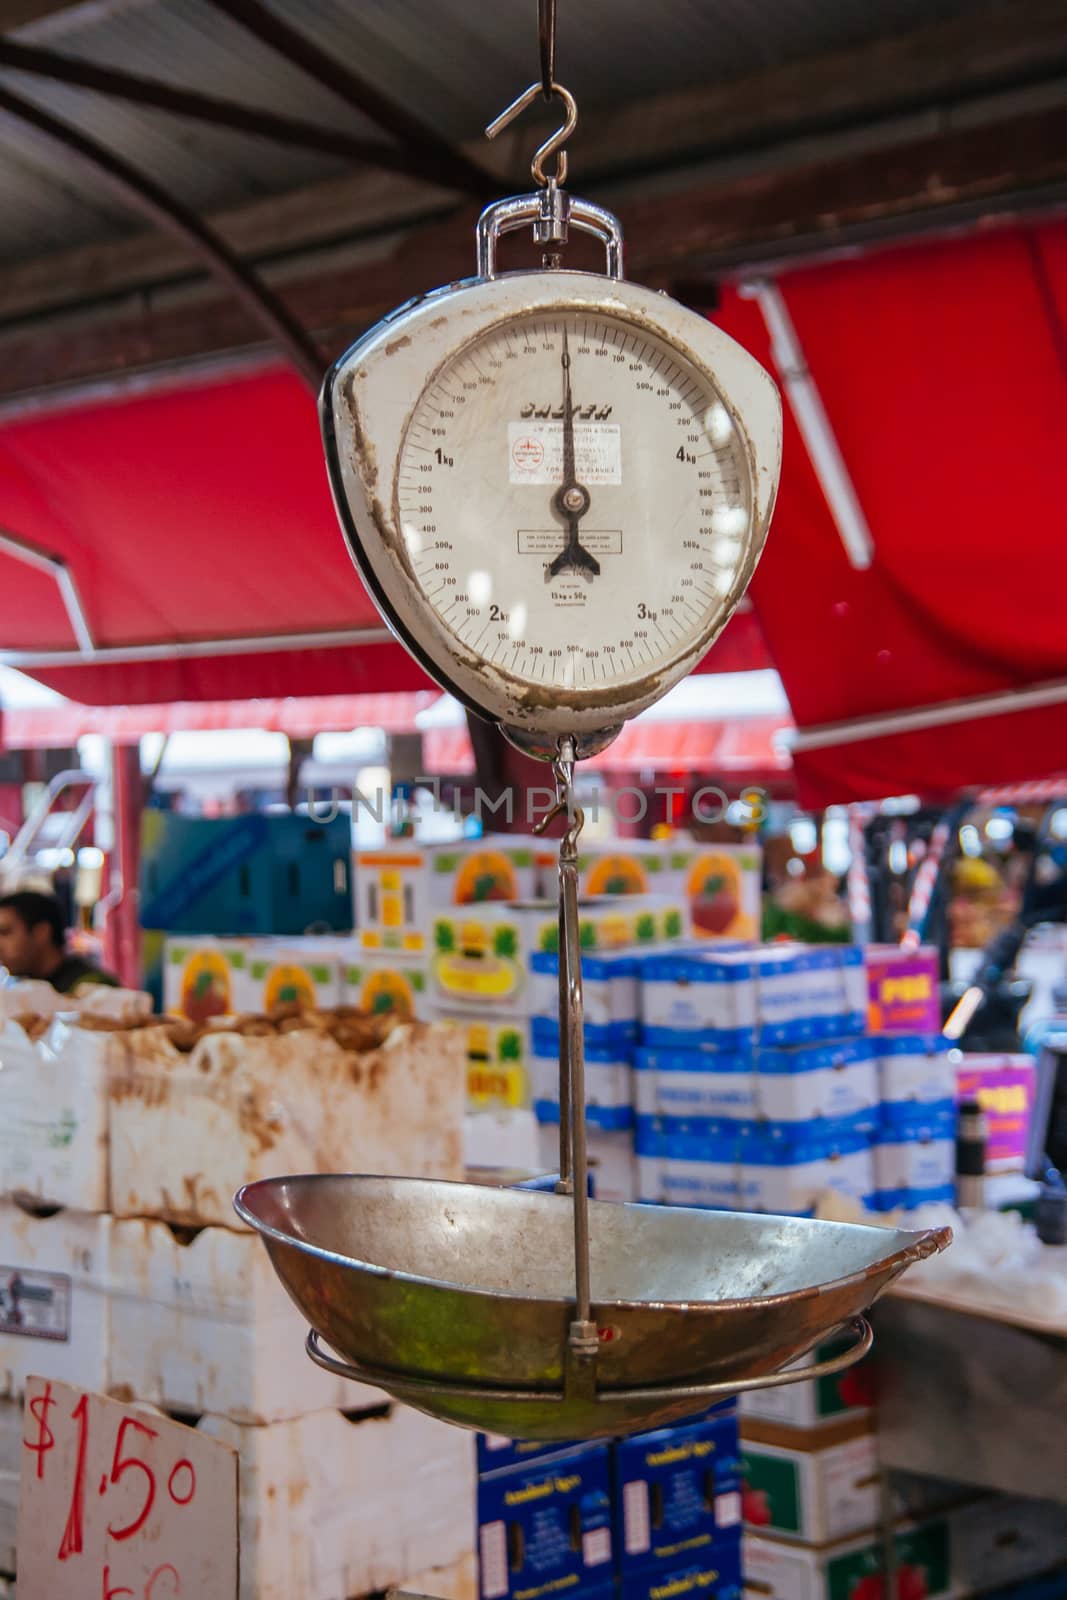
(33, 943)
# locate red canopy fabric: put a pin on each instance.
(749, 749)
(194, 513)
(200, 512)
(61, 726)
(943, 369)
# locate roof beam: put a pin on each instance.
(160, 96)
(709, 228)
(787, 115)
(255, 300)
(439, 161)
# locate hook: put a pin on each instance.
(551, 147)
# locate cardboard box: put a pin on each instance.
(495, 1452)
(723, 886)
(813, 1486)
(251, 874)
(973, 1548)
(335, 1504)
(545, 1526)
(204, 978)
(915, 1074)
(305, 972)
(689, 1085)
(54, 1141)
(497, 1052)
(612, 922)
(608, 1087)
(786, 1169)
(203, 1325)
(187, 1130)
(683, 1167)
(55, 1298)
(771, 1167)
(915, 1162)
(716, 1577)
(903, 990)
(622, 866)
(820, 1403)
(396, 981)
(609, 990)
(399, 886)
(689, 997)
(1004, 1087)
(478, 959)
(852, 1570)
(801, 1085)
(677, 1494)
(392, 898)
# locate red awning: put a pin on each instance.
(61, 726)
(196, 524)
(198, 512)
(750, 749)
(943, 370)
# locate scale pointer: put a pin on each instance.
(571, 499)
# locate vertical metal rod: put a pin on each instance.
(583, 1335)
(566, 1053)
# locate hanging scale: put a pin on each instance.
(556, 485)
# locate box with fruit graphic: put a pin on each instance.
(478, 958)
(812, 1485)
(851, 1570)
(822, 1401)
(630, 922)
(399, 886)
(497, 1051)
(205, 977)
(722, 884)
(987, 1542)
(624, 866)
(304, 973)
(393, 981)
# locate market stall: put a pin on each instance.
(504, 1208)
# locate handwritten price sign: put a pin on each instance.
(119, 1504)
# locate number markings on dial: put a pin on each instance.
(650, 377)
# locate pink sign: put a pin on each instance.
(902, 988)
(121, 1504)
(1003, 1085)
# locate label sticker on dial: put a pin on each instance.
(535, 452)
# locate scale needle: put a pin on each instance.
(571, 499)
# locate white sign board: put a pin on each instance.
(116, 1503)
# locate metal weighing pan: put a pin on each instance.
(458, 1298)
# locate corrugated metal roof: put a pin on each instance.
(454, 63)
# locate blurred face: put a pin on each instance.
(25, 952)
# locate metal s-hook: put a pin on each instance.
(551, 147)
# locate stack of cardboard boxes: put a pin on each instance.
(915, 1150)
(125, 1271)
(656, 1516)
(813, 1508)
(756, 1088)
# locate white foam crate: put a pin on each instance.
(187, 1130)
(55, 1298)
(54, 1115)
(207, 1327)
(332, 1507)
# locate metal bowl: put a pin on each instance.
(422, 1285)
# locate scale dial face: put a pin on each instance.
(659, 474)
(578, 495)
